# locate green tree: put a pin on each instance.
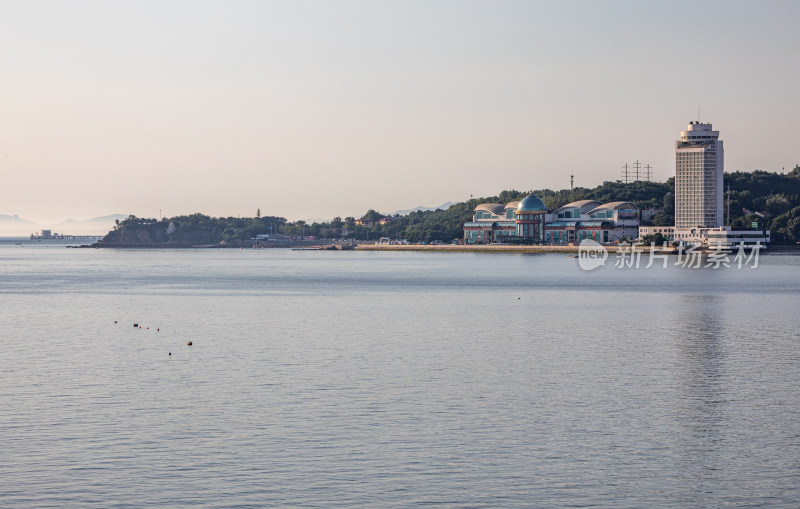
(372, 215)
(662, 219)
(777, 204)
(657, 238)
(668, 204)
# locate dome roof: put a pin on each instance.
(531, 203)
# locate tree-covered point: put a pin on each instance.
(193, 229)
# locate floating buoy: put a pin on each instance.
(170, 354)
(148, 328)
(135, 325)
(157, 329)
(189, 343)
(115, 321)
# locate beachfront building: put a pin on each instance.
(530, 222)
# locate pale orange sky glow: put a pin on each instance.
(311, 110)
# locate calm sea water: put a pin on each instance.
(357, 379)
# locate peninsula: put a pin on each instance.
(776, 197)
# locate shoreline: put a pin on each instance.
(441, 248)
(504, 248)
(451, 248)
(488, 248)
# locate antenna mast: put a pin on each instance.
(648, 174)
(571, 181)
(728, 222)
(637, 166)
(625, 173)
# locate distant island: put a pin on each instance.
(771, 199)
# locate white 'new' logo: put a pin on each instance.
(591, 254)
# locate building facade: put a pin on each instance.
(699, 168)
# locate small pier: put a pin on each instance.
(50, 235)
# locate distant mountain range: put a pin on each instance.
(17, 226)
(443, 206)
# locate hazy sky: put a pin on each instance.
(323, 108)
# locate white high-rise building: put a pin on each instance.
(699, 216)
(699, 168)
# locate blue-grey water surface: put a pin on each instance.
(364, 379)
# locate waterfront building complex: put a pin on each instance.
(529, 222)
(699, 217)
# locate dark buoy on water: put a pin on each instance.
(115, 321)
(170, 354)
(135, 325)
(189, 343)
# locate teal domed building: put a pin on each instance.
(515, 222)
(530, 219)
